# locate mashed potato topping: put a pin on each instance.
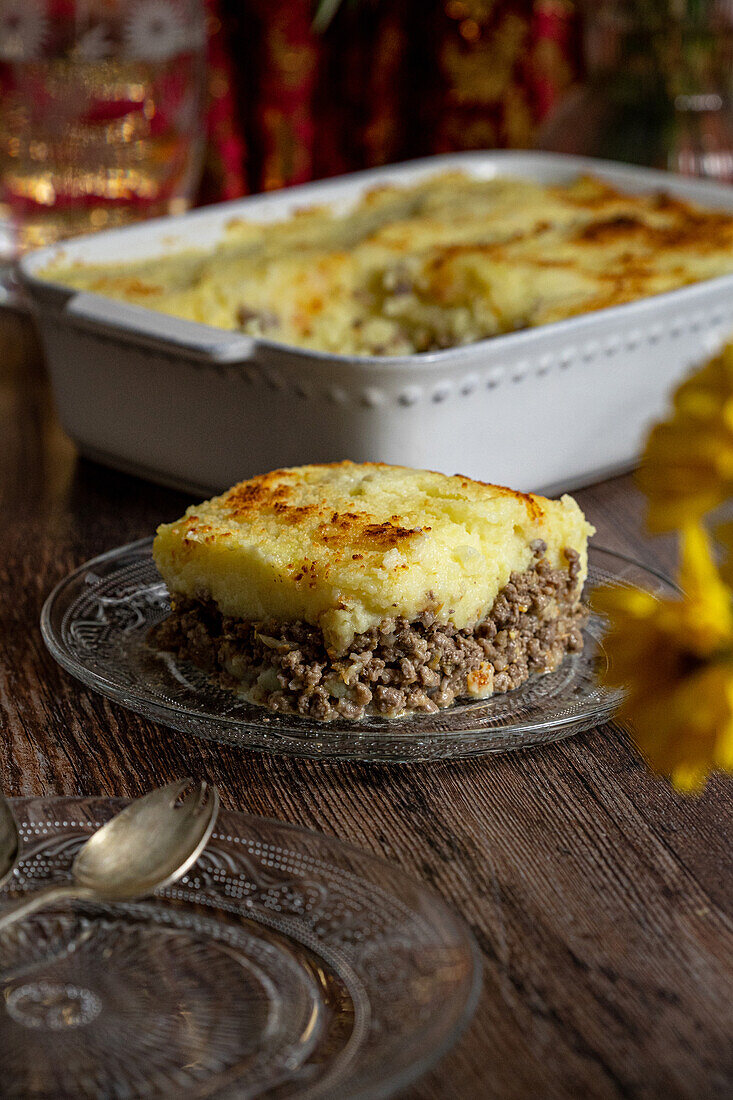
(446, 262)
(346, 546)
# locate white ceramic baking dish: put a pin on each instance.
(197, 407)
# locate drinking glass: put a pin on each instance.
(101, 114)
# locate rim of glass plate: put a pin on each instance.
(130, 697)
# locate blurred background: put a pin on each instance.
(112, 110)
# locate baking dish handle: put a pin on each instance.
(134, 324)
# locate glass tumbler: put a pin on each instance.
(101, 114)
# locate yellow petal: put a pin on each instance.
(709, 598)
(687, 465)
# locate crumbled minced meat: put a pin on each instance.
(394, 668)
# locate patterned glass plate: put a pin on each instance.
(285, 964)
(96, 621)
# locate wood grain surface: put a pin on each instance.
(601, 899)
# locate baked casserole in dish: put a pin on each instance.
(508, 349)
(445, 262)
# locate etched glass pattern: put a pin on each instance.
(284, 963)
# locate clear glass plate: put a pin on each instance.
(96, 621)
(285, 964)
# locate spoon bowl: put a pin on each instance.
(149, 844)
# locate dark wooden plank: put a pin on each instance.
(600, 898)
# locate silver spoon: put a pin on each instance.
(9, 840)
(151, 843)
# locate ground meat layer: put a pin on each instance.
(394, 668)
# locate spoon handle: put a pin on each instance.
(41, 899)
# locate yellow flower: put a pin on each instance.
(687, 467)
(674, 658)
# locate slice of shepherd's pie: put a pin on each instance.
(339, 590)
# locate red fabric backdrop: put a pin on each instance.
(386, 81)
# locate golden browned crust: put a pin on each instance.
(277, 492)
(446, 262)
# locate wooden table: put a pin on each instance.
(601, 900)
